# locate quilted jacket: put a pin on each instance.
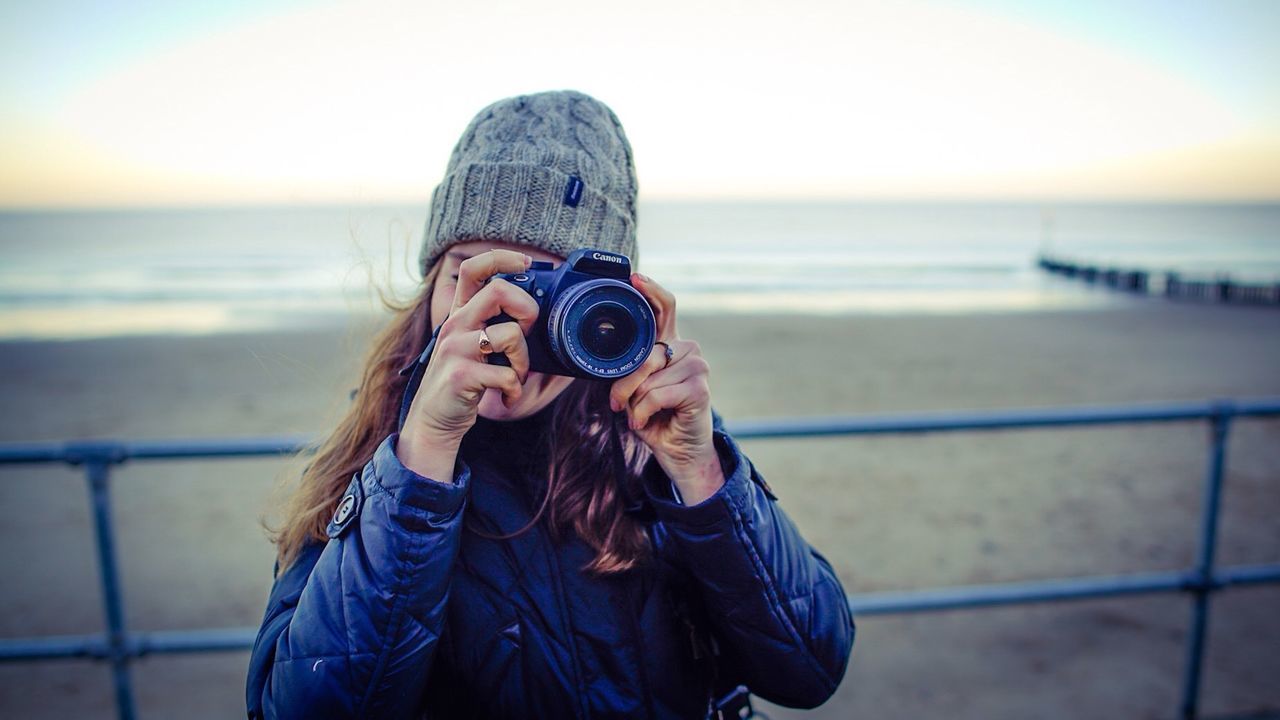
(407, 612)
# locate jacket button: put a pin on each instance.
(344, 509)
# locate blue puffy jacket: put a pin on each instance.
(403, 613)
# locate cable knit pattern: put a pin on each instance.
(510, 174)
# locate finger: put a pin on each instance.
(507, 338)
(662, 302)
(500, 378)
(476, 270)
(676, 373)
(498, 297)
(622, 389)
(671, 397)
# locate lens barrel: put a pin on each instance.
(603, 328)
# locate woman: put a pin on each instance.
(532, 545)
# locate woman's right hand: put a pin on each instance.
(457, 376)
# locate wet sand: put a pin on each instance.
(890, 512)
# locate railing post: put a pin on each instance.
(99, 475)
(1220, 426)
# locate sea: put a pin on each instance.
(69, 274)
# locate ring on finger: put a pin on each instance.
(486, 345)
(667, 351)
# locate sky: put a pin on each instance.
(131, 104)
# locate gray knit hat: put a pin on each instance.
(551, 170)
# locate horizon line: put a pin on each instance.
(666, 200)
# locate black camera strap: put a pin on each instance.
(415, 370)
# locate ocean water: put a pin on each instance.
(67, 274)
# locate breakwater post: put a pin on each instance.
(1220, 288)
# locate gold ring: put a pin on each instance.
(486, 345)
(669, 352)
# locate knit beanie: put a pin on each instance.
(551, 170)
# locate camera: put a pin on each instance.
(591, 322)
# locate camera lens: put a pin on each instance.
(607, 330)
(601, 328)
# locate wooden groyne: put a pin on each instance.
(1220, 288)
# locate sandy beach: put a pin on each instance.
(890, 512)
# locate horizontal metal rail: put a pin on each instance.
(119, 646)
(136, 644)
(1019, 419)
(115, 451)
(974, 596)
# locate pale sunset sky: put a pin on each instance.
(130, 104)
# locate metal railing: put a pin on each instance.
(118, 646)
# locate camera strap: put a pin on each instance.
(415, 370)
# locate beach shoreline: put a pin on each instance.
(216, 318)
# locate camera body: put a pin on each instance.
(591, 322)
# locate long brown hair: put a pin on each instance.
(589, 450)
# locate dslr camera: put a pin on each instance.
(591, 322)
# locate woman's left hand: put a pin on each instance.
(668, 405)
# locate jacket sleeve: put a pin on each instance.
(352, 625)
(774, 602)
